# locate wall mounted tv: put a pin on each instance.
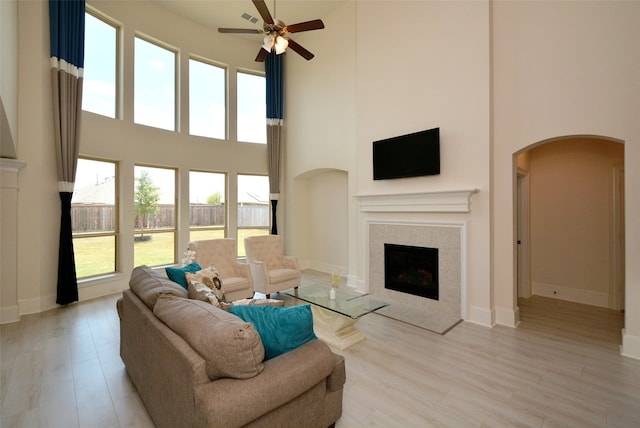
(411, 155)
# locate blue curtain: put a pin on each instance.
(274, 70)
(66, 20)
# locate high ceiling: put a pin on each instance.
(228, 13)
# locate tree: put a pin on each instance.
(146, 198)
(215, 199)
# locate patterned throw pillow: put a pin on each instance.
(210, 278)
(199, 291)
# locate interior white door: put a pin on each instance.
(522, 239)
(618, 239)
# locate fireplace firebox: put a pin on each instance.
(412, 270)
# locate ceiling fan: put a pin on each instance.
(276, 33)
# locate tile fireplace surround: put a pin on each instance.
(384, 225)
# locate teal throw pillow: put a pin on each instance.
(177, 275)
(281, 329)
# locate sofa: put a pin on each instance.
(207, 369)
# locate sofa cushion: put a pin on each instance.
(177, 274)
(281, 329)
(148, 284)
(230, 346)
(208, 277)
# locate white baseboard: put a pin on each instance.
(630, 345)
(9, 314)
(587, 297)
(508, 317)
(480, 316)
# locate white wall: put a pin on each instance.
(571, 219)
(432, 72)
(366, 84)
(8, 77)
(320, 118)
(563, 69)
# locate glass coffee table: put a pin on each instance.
(334, 319)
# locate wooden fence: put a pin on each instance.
(99, 218)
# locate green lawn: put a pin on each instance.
(95, 256)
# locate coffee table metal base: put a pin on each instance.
(337, 330)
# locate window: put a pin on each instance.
(253, 208)
(94, 218)
(207, 95)
(252, 108)
(100, 70)
(154, 202)
(154, 86)
(207, 212)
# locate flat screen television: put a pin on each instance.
(411, 155)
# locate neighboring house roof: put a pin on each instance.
(101, 193)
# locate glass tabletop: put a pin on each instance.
(349, 304)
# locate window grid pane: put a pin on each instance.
(207, 109)
(94, 218)
(155, 86)
(207, 211)
(99, 81)
(252, 108)
(154, 202)
(253, 208)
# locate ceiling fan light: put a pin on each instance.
(281, 45)
(269, 41)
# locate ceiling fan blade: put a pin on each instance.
(240, 30)
(262, 55)
(300, 50)
(263, 10)
(316, 24)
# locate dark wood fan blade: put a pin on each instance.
(316, 24)
(300, 50)
(263, 10)
(262, 55)
(240, 30)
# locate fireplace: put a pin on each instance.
(411, 269)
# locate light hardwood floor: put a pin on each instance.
(560, 368)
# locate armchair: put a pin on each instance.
(236, 278)
(271, 270)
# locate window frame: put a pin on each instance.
(119, 70)
(225, 68)
(116, 221)
(176, 77)
(225, 226)
(266, 228)
(176, 209)
(253, 73)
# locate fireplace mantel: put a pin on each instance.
(453, 201)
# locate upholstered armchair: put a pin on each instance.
(236, 278)
(271, 270)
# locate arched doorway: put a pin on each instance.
(570, 220)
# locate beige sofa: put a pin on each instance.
(217, 386)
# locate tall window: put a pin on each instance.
(207, 212)
(155, 222)
(207, 95)
(94, 218)
(154, 85)
(252, 108)
(100, 69)
(253, 208)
